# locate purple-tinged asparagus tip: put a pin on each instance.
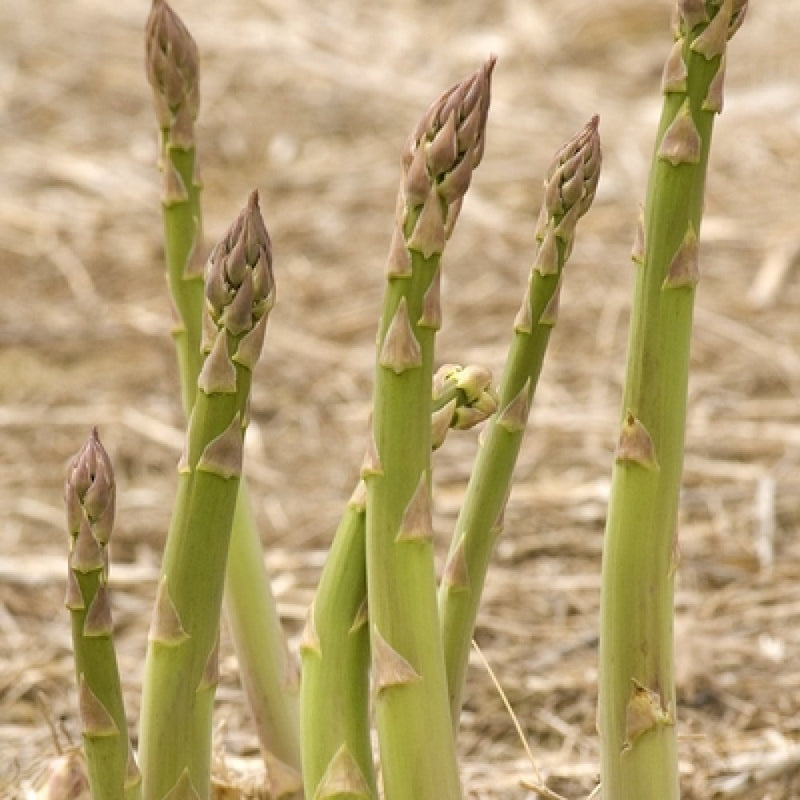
(572, 178)
(240, 287)
(171, 63)
(440, 156)
(90, 490)
(448, 142)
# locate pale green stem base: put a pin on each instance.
(252, 616)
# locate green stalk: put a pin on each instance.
(90, 499)
(636, 717)
(569, 190)
(417, 746)
(266, 670)
(182, 651)
(337, 752)
(250, 608)
(172, 70)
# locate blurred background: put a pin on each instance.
(311, 104)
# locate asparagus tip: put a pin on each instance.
(569, 191)
(448, 141)
(171, 64)
(90, 490)
(240, 286)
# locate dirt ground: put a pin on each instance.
(311, 103)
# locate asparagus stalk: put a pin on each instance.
(636, 716)
(172, 69)
(266, 668)
(337, 752)
(182, 651)
(569, 191)
(416, 743)
(89, 494)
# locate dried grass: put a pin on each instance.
(311, 104)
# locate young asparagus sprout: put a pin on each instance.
(337, 753)
(240, 289)
(172, 71)
(636, 713)
(171, 62)
(90, 497)
(438, 161)
(569, 188)
(412, 716)
(180, 670)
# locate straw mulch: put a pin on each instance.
(311, 103)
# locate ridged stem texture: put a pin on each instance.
(181, 665)
(266, 670)
(569, 189)
(636, 716)
(89, 495)
(417, 747)
(337, 751)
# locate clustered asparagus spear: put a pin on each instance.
(382, 556)
(412, 718)
(182, 654)
(637, 691)
(89, 494)
(337, 751)
(265, 666)
(337, 756)
(569, 190)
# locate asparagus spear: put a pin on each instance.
(335, 732)
(416, 743)
(172, 69)
(267, 670)
(90, 496)
(636, 716)
(569, 191)
(337, 752)
(182, 651)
